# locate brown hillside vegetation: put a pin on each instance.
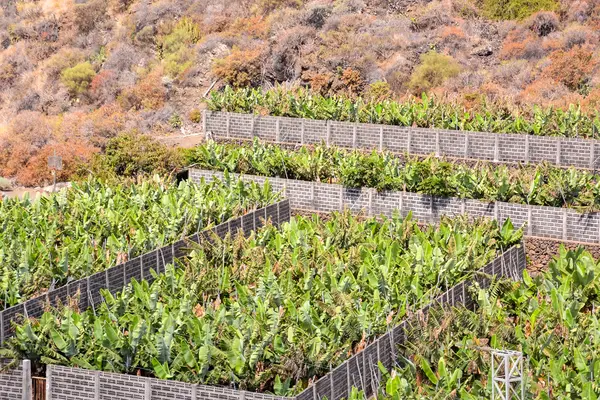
(75, 73)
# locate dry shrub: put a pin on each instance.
(579, 11)
(577, 35)
(104, 86)
(543, 91)
(90, 14)
(517, 74)
(452, 37)
(13, 64)
(27, 133)
(543, 23)
(591, 102)
(572, 68)
(240, 68)
(319, 82)
(255, 27)
(522, 46)
(351, 83)
(453, 33)
(122, 58)
(285, 53)
(148, 93)
(432, 16)
(74, 153)
(104, 123)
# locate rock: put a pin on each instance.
(483, 51)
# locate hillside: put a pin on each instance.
(75, 73)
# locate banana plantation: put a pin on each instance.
(93, 226)
(271, 311)
(541, 185)
(552, 318)
(427, 112)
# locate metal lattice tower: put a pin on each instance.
(507, 375)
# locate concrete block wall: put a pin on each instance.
(114, 279)
(15, 384)
(65, 383)
(543, 222)
(512, 148)
(361, 370)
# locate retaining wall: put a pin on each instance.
(509, 148)
(361, 370)
(15, 384)
(544, 222)
(80, 384)
(114, 279)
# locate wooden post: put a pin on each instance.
(592, 155)
(526, 149)
(437, 143)
(466, 145)
(381, 139)
(558, 151)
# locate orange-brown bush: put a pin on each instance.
(522, 46)
(544, 92)
(318, 82)
(35, 171)
(255, 27)
(572, 68)
(240, 68)
(148, 93)
(453, 33)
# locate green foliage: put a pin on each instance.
(550, 318)
(195, 116)
(78, 78)
(174, 48)
(433, 70)
(427, 112)
(542, 185)
(516, 9)
(95, 225)
(270, 311)
(132, 154)
(378, 91)
(175, 121)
